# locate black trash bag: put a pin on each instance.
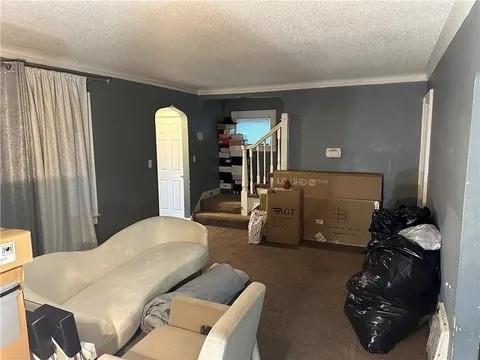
(392, 221)
(373, 319)
(394, 295)
(386, 222)
(403, 271)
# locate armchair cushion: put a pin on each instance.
(168, 343)
(191, 314)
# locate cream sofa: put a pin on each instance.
(232, 335)
(107, 287)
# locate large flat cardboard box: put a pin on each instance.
(340, 221)
(329, 184)
(337, 206)
(284, 222)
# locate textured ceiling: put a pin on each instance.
(225, 45)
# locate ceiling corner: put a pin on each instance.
(457, 15)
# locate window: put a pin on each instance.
(254, 124)
(253, 129)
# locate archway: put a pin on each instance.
(173, 165)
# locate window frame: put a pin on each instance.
(255, 114)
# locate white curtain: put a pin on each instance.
(16, 175)
(62, 159)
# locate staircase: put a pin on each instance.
(222, 210)
(259, 162)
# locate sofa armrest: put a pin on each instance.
(191, 314)
(181, 230)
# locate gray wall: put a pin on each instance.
(124, 138)
(453, 84)
(377, 127)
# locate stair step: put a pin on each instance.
(225, 203)
(262, 186)
(223, 219)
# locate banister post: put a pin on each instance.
(284, 139)
(244, 193)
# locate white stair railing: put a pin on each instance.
(275, 142)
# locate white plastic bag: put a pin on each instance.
(256, 226)
(425, 235)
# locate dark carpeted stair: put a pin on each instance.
(222, 210)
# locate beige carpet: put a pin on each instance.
(303, 315)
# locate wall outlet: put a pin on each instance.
(335, 153)
(194, 158)
(149, 164)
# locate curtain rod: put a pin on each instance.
(53, 68)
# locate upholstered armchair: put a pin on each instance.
(205, 331)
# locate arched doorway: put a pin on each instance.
(173, 167)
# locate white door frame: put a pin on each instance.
(185, 158)
(424, 162)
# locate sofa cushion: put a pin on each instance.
(119, 296)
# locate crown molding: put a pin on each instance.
(54, 61)
(458, 13)
(317, 84)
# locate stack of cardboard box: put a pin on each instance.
(225, 131)
(235, 143)
(335, 207)
(230, 158)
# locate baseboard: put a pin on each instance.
(205, 195)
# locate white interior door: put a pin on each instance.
(170, 166)
(424, 162)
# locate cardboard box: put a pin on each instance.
(340, 221)
(337, 206)
(237, 137)
(236, 150)
(225, 169)
(237, 170)
(329, 184)
(284, 221)
(16, 248)
(15, 251)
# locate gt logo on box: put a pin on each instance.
(283, 211)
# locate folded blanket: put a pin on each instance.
(220, 283)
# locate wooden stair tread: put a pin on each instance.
(223, 219)
(222, 215)
(226, 203)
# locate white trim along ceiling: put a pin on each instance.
(323, 44)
